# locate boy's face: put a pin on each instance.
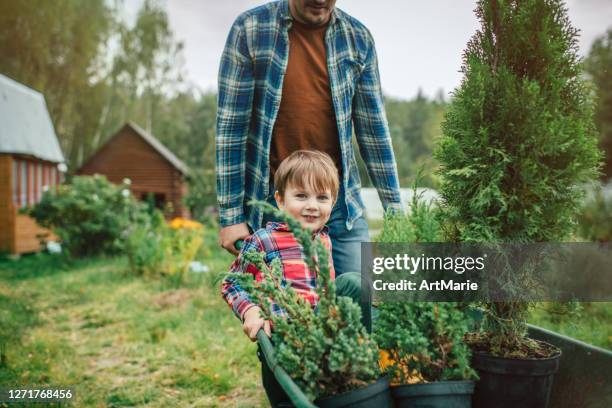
(311, 208)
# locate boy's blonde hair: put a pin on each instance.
(307, 168)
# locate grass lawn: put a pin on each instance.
(591, 322)
(121, 340)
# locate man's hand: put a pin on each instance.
(253, 322)
(229, 235)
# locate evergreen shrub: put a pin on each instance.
(422, 223)
(518, 141)
(421, 342)
(327, 352)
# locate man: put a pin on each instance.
(298, 74)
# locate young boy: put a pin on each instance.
(307, 187)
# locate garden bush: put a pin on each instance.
(327, 352)
(158, 249)
(423, 342)
(88, 215)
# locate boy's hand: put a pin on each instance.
(253, 322)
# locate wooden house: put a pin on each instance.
(30, 163)
(155, 173)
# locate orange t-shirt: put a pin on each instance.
(306, 117)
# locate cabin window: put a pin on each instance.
(52, 181)
(160, 201)
(15, 181)
(45, 176)
(154, 200)
(31, 185)
(39, 181)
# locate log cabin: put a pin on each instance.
(155, 173)
(31, 161)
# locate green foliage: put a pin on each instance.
(518, 139)
(156, 249)
(595, 218)
(588, 322)
(424, 341)
(89, 215)
(421, 224)
(415, 128)
(598, 65)
(202, 197)
(328, 352)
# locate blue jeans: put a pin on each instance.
(346, 244)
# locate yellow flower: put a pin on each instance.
(385, 360)
(183, 223)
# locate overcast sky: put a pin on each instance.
(419, 42)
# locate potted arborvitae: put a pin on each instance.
(328, 353)
(422, 348)
(518, 140)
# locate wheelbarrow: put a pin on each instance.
(295, 394)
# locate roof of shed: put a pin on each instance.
(26, 125)
(161, 149)
(151, 141)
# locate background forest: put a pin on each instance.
(97, 72)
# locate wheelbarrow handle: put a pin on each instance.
(239, 244)
(291, 389)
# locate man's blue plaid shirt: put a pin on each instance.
(251, 74)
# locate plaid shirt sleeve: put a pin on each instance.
(372, 132)
(234, 105)
(235, 296)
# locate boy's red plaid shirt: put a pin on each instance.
(276, 241)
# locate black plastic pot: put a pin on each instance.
(511, 382)
(439, 394)
(377, 395)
